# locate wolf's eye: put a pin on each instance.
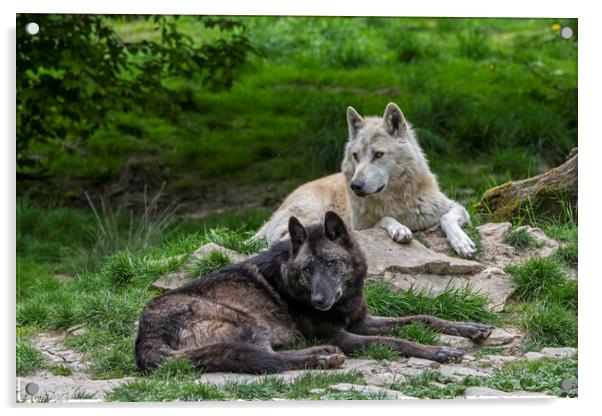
(307, 269)
(378, 155)
(328, 263)
(355, 157)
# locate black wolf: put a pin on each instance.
(239, 318)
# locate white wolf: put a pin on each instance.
(391, 183)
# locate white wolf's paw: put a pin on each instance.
(463, 245)
(400, 233)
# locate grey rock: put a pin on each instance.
(507, 337)
(414, 265)
(533, 355)
(486, 392)
(422, 363)
(64, 389)
(496, 252)
(559, 352)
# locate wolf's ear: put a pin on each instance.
(394, 121)
(297, 233)
(354, 122)
(335, 228)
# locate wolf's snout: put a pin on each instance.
(320, 302)
(357, 185)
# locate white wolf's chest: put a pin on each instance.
(417, 212)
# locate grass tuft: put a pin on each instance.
(460, 304)
(29, 359)
(542, 279)
(213, 261)
(519, 238)
(548, 325)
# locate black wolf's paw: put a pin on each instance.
(447, 355)
(331, 361)
(326, 350)
(476, 332)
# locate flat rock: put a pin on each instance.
(391, 394)
(489, 393)
(559, 352)
(62, 389)
(384, 255)
(50, 345)
(500, 337)
(495, 252)
(414, 265)
(179, 277)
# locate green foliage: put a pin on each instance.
(422, 386)
(213, 261)
(544, 374)
(60, 370)
(76, 69)
(548, 325)
(376, 351)
(542, 279)
(29, 358)
(453, 304)
(418, 332)
(177, 380)
(519, 238)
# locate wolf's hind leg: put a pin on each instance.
(396, 230)
(451, 224)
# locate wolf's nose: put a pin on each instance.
(357, 185)
(318, 300)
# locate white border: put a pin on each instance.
(590, 92)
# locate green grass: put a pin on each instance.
(542, 375)
(489, 351)
(213, 261)
(284, 118)
(177, 380)
(60, 370)
(454, 304)
(418, 332)
(542, 279)
(29, 359)
(519, 238)
(548, 325)
(422, 386)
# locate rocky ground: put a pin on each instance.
(426, 263)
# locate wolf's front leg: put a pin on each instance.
(451, 224)
(381, 325)
(396, 230)
(349, 343)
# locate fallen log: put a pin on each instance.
(551, 195)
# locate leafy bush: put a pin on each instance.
(76, 69)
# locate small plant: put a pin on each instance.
(60, 370)
(519, 238)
